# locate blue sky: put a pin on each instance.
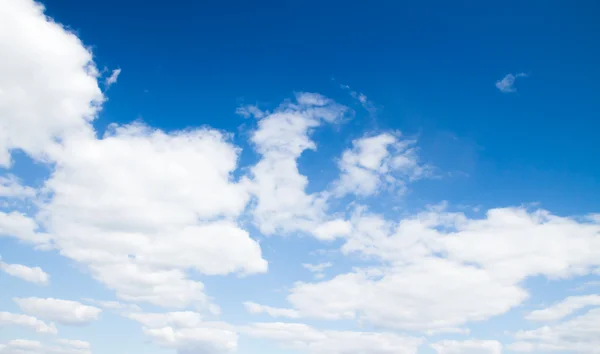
(284, 177)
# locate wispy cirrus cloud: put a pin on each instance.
(507, 83)
(112, 79)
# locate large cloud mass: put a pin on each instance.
(48, 85)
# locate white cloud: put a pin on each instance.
(62, 311)
(24, 228)
(311, 100)
(442, 330)
(281, 202)
(140, 167)
(63, 346)
(208, 339)
(564, 308)
(138, 207)
(402, 297)
(513, 244)
(31, 274)
(142, 209)
(187, 333)
(21, 346)
(317, 269)
(11, 187)
(468, 347)
(255, 308)
(378, 162)
(176, 319)
(307, 339)
(141, 206)
(114, 305)
(580, 334)
(361, 98)
(476, 267)
(74, 343)
(250, 111)
(509, 243)
(14, 319)
(332, 229)
(48, 81)
(163, 287)
(112, 79)
(588, 284)
(507, 84)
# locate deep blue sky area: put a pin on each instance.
(430, 65)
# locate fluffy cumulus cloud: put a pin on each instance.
(147, 203)
(48, 81)
(476, 267)
(401, 298)
(468, 347)
(281, 203)
(378, 162)
(31, 274)
(25, 321)
(61, 311)
(332, 229)
(310, 340)
(141, 206)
